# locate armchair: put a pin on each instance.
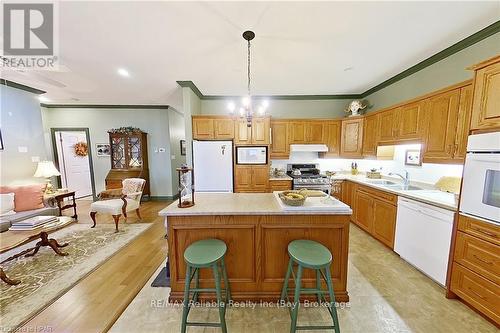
(119, 201)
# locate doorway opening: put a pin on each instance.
(73, 158)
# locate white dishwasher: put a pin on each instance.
(423, 237)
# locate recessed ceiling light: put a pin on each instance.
(348, 69)
(43, 99)
(123, 72)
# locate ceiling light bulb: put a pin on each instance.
(231, 107)
(246, 101)
(265, 103)
(43, 99)
(262, 110)
(123, 72)
(242, 112)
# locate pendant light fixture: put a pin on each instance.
(246, 109)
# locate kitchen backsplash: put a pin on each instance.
(428, 172)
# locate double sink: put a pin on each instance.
(392, 185)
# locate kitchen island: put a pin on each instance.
(257, 231)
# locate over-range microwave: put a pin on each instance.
(251, 155)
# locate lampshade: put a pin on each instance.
(46, 169)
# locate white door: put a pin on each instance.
(75, 169)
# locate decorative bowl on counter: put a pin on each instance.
(293, 198)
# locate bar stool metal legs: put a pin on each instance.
(311, 255)
(207, 253)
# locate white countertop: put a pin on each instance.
(247, 204)
(285, 177)
(428, 194)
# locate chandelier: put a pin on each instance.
(246, 109)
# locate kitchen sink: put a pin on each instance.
(404, 188)
(380, 182)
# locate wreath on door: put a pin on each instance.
(81, 149)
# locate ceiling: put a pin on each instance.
(302, 48)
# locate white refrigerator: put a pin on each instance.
(213, 166)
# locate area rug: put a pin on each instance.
(47, 276)
(162, 280)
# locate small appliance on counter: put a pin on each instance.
(373, 174)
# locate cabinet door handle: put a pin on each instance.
(455, 151)
(448, 149)
(483, 260)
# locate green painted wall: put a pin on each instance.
(153, 121)
(332, 108)
(21, 126)
(444, 73)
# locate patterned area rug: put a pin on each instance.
(46, 276)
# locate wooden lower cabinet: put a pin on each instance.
(475, 274)
(257, 259)
(375, 212)
(348, 189)
(384, 222)
(251, 178)
(280, 185)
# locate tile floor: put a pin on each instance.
(386, 295)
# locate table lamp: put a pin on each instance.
(46, 169)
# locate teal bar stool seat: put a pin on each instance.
(311, 255)
(207, 253)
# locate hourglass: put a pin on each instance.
(186, 187)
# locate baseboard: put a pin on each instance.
(163, 197)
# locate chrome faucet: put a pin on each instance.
(406, 178)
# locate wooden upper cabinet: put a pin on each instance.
(352, 138)
(463, 124)
(410, 121)
(370, 135)
(387, 124)
(442, 116)
(260, 130)
(203, 128)
(315, 131)
(486, 100)
(224, 128)
(258, 133)
(242, 133)
(297, 132)
(279, 139)
(332, 138)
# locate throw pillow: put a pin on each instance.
(7, 204)
(26, 197)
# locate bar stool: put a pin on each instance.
(207, 253)
(311, 255)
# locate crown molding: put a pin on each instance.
(459, 46)
(464, 43)
(16, 85)
(103, 106)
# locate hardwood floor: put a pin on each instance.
(94, 304)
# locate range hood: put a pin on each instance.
(309, 148)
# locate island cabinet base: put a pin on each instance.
(257, 258)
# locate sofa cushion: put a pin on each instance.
(27, 197)
(6, 221)
(7, 204)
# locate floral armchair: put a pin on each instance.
(119, 201)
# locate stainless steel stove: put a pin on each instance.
(308, 176)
